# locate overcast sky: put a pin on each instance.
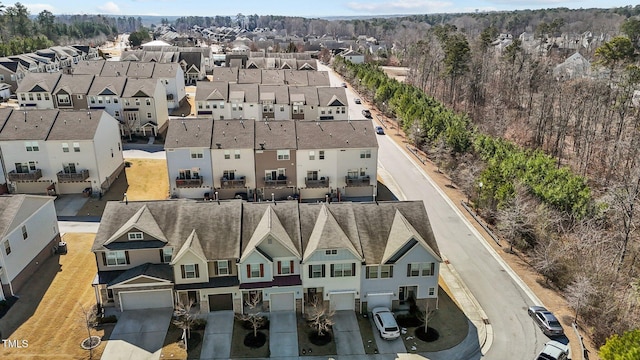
(299, 8)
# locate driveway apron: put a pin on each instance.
(217, 336)
(395, 346)
(347, 333)
(138, 334)
(283, 334)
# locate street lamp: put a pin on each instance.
(480, 184)
(415, 140)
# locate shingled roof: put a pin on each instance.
(189, 133)
(233, 134)
(277, 134)
(330, 134)
(29, 125)
(77, 125)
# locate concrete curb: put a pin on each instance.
(469, 305)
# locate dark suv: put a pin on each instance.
(366, 113)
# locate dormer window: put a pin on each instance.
(135, 236)
(167, 253)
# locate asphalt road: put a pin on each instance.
(502, 295)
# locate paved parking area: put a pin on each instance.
(283, 334)
(347, 333)
(395, 346)
(70, 204)
(138, 334)
(216, 343)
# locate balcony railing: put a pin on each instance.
(186, 183)
(232, 184)
(268, 182)
(323, 182)
(360, 181)
(81, 175)
(31, 176)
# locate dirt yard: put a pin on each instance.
(48, 314)
(550, 297)
(145, 179)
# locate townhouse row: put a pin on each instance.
(14, 68)
(223, 255)
(59, 152)
(264, 160)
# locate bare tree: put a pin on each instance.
(426, 316)
(88, 321)
(184, 319)
(578, 294)
(254, 317)
(320, 316)
(515, 221)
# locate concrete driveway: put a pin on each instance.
(70, 204)
(138, 334)
(346, 333)
(216, 343)
(283, 334)
(395, 346)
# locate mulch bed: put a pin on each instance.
(255, 342)
(319, 340)
(430, 335)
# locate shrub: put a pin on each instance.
(199, 324)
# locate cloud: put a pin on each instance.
(400, 6)
(109, 8)
(35, 9)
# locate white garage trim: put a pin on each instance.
(284, 301)
(155, 294)
(342, 300)
(379, 299)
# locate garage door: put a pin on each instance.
(282, 302)
(146, 300)
(342, 301)
(220, 302)
(375, 300)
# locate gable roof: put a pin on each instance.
(76, 125)
(277, 134)
(140, 88)
(115, 68)
(189, 133)
(333, 134)
(144, 221)
(233, 134)
(249, 91)
(140, 70)
(228, 74)
(279, 94)
(74, 84)
(93, 67)
(157, 271)
(29, 125)
(281, 217)
(332, 96)
(401, 233)
(212, 90)
(318, 78)
(250, 76)
(10, 210)
(327, 234)
(193, 245)
(273, 77)
(108, 85)
(309, 93)
(40, 82)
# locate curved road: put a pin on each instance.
(502, 295)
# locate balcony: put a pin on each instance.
(233, 183)
(188, 183)
(280, 181)
(64, 177)
(359, 181)
(30, 176)
(323, 182)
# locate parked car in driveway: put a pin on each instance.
(554, 350)
(379, 130)
(366, 113)
(386, 323)
(545, 319)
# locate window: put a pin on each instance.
(386, 271)
(197, 154)
(115, 100)
(65, 147)
(167, 254)
(365, 154)
(413, 269)
(255, 270)
(148, 115)
(99, 99)
(135, 236)
(381, 272)
(39, 96)
(30, 96)
(7, 247)
(148, 102)
(321, 154)
(285, 267)
(432, 291)
(227, 154)
(31, 146)
(312, 155)
(190, 271)
(331, 252)
(25, 235)
(372, 272)
(138, 102)
(92, 100)
(80, 97)
(343, 270)
(316, 271)
(223, 267)
(76, 147)
(200, 105)
(116, 258)
(312, 175)
(428, 269)
(228, 175)
(283, 154)
(116, 113)
(62, 99)
(236, 154)
(23, 97)
(107, 100)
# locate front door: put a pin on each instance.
(193, 297)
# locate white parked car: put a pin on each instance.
(386, 323)
(554, 350)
